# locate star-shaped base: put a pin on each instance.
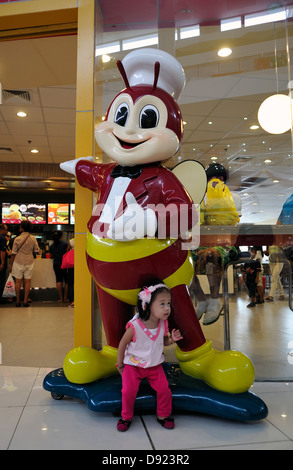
(189, 394)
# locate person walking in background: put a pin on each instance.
(25, 246)
(3, 259)
(276, 265)
(57, 250)
(70, 277)
(251, 272)
(259, 288)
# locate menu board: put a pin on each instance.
(58, 213)
(13, 213)
(72, 214)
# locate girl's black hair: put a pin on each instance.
(144, 314)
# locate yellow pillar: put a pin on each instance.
(84, 147)
(39, 12)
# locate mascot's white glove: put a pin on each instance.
(70, 165)
(134, 223)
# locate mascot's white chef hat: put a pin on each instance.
(139, 68)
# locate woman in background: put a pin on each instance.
(70, 277)
(25, 246)
(57, 250)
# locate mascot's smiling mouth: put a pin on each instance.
(129, 145)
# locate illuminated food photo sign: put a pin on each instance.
(16, 213)
(58, 213)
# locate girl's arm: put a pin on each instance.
(175, 336)
(125, 340)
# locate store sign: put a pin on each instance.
(16, 213)
(58, 213)
(72, 214)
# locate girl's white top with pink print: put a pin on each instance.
(146, 348)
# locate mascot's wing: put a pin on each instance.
(192, 175)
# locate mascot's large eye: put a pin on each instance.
(149, 117)
(121, 114)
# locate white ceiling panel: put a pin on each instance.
(26, 128)
(58, 129)
(58, 97)
(59, 115)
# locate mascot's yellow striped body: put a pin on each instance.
(121, 268)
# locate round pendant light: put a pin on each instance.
(274, 114)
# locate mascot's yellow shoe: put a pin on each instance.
(228, 371)
(84, 365)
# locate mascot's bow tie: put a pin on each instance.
(127, 171)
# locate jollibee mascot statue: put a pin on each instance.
(131, 237)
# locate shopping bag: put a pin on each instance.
(219, 207)
(68, 260)
(9, 289)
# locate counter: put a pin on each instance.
(43, 273)
(245, 235)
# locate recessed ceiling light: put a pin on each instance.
(268, 161)
(224, 52)
(214, 158)
(21, 114)
(254, 127)
(105, 58)
(210, 122)
(34, 151)
(276, 181)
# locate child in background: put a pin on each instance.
(251, 272)
(140, 354)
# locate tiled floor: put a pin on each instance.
(35, 340)
(31, 420)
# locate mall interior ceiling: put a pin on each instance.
(219, 104)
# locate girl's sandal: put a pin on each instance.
(167, 423)
(123, 425)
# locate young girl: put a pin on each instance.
(140, 354)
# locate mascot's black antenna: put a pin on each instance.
(123, 73)
(157, 71)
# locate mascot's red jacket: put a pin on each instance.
(120, 268)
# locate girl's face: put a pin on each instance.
(161, 306)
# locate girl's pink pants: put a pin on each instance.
(131, 378)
